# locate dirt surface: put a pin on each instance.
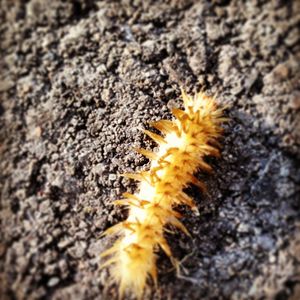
(79, 79)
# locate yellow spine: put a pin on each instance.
(185, 142)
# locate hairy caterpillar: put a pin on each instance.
(186, 140)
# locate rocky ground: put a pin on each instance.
(79, 79)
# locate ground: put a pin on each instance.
(78, 81)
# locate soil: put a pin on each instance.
(80, 78)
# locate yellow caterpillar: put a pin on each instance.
(186, 140)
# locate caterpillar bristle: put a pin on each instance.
(175, 222)
(137, 177)
(126, 202)
(184, 143)
(109, 251)
(192, 179)
(149, 154)
(130, 196)
(155, 137)
(112, 230)
(179, 114)
(164, 126)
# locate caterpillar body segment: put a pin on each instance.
(183, 144)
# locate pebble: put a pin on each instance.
(295, 101)
(53, 281)
(64, 243)
(281, 71)
(243, 228)
(112, 177)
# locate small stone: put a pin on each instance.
(95, 248)
(213, 30)
(27, 225)
(169, 92)
(292, 38)
(295, 101)
(43, 207)
(50, 269)
(101, 69)
(243, 228)
(150, 74)
(64, 243)
(82, 234)
(6, 85)
(281, 71)
(82, 225)
(63, 207)
(53, 281)
(2, 249)
(148, 50)
(251, 79)
(106, 95)
(272, 259)
(56, 232)
(55, 156)
(149, 44)
(265, 242)
(197, 62)
(112, 177)
(58, 180)
(78, 250)
(63, 267)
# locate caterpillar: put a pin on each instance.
(183, 145)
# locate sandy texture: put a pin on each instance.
(77, 81)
